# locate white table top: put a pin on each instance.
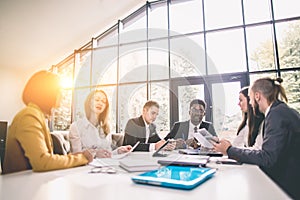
(229, 182)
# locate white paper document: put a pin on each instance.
(202, 140)
(123, 155)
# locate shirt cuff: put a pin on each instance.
(152, 147)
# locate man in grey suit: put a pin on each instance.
(143, 129)
(185, 130)
(279, 157)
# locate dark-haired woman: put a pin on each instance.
(249, 132)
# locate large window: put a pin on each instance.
(175, 41)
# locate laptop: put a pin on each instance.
(158, 152)
(185, 160)
(203, 152)
(180, 177)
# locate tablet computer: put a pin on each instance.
(175, 177)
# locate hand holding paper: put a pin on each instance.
(203, 141)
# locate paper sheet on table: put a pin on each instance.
(123, 155)
(202, 140)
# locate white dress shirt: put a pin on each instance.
(241, 141)
(152, 145)
(192, 129)
(84, 135)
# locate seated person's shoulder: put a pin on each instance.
(180, 123)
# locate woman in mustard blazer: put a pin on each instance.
(29, 144)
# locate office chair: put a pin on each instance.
(60, 144)
(3, 133)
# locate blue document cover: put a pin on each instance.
(181, 177)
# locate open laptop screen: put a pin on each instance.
(157, 152)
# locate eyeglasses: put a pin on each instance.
(196, 111)
(106, 170)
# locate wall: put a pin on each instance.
(12, 82)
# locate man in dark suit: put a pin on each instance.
(279, 157)
(185, 130)
(144, 130)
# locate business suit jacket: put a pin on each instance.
(279, 156)
(135, 130)
(181, 129)
(29, 145)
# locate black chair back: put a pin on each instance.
(3, 133)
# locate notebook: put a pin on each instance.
(175, 177)
(138, 165)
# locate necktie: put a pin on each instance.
(195, 129)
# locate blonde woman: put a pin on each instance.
(92, 132)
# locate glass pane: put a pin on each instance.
(181, 22)
(257, 11)
(253, 77)
(226, 50)
(62, 115)
(110, 38)
(286, 8)
(226, 113)
(186, 94)
(291, 84)
(159, 91)
(260, 48)
(220, 13)
(65, 73)
(158, 60)
(82, 69)
(187, 56)
(158, 19)
(133, 63)
(134, 30)
(79, 99)
(104, 66)
(132, 99)
(288, 37)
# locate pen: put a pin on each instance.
(92, 153)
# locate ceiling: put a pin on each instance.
(37, 34)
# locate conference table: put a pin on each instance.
(229, 182)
